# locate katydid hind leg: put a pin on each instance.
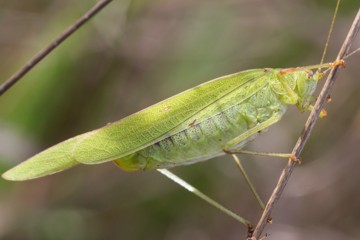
(289, 156)
(203, 196)
(248, 181)
(266, 154)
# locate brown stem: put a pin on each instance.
(286, 173)
(48, 49)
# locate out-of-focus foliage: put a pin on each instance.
(135, 53)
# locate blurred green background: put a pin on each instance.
(136, 53)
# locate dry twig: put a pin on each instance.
(286, 173)
(56, 42)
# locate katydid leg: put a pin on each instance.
(266, 154)
(248, 181)
(203, 196)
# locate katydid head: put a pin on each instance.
(298, 86)
(306, 82)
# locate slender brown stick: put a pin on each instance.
(286, 173)
(48, 49)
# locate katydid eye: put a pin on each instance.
(309, 74)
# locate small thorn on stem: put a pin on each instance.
(323, 113)
(250, 232)
(328, 99)
(295, 159)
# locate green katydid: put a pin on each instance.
(212, 119)
(203, 122)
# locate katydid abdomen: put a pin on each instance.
(207, 138)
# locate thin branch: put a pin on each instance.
(56, 42)
(286, 173)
